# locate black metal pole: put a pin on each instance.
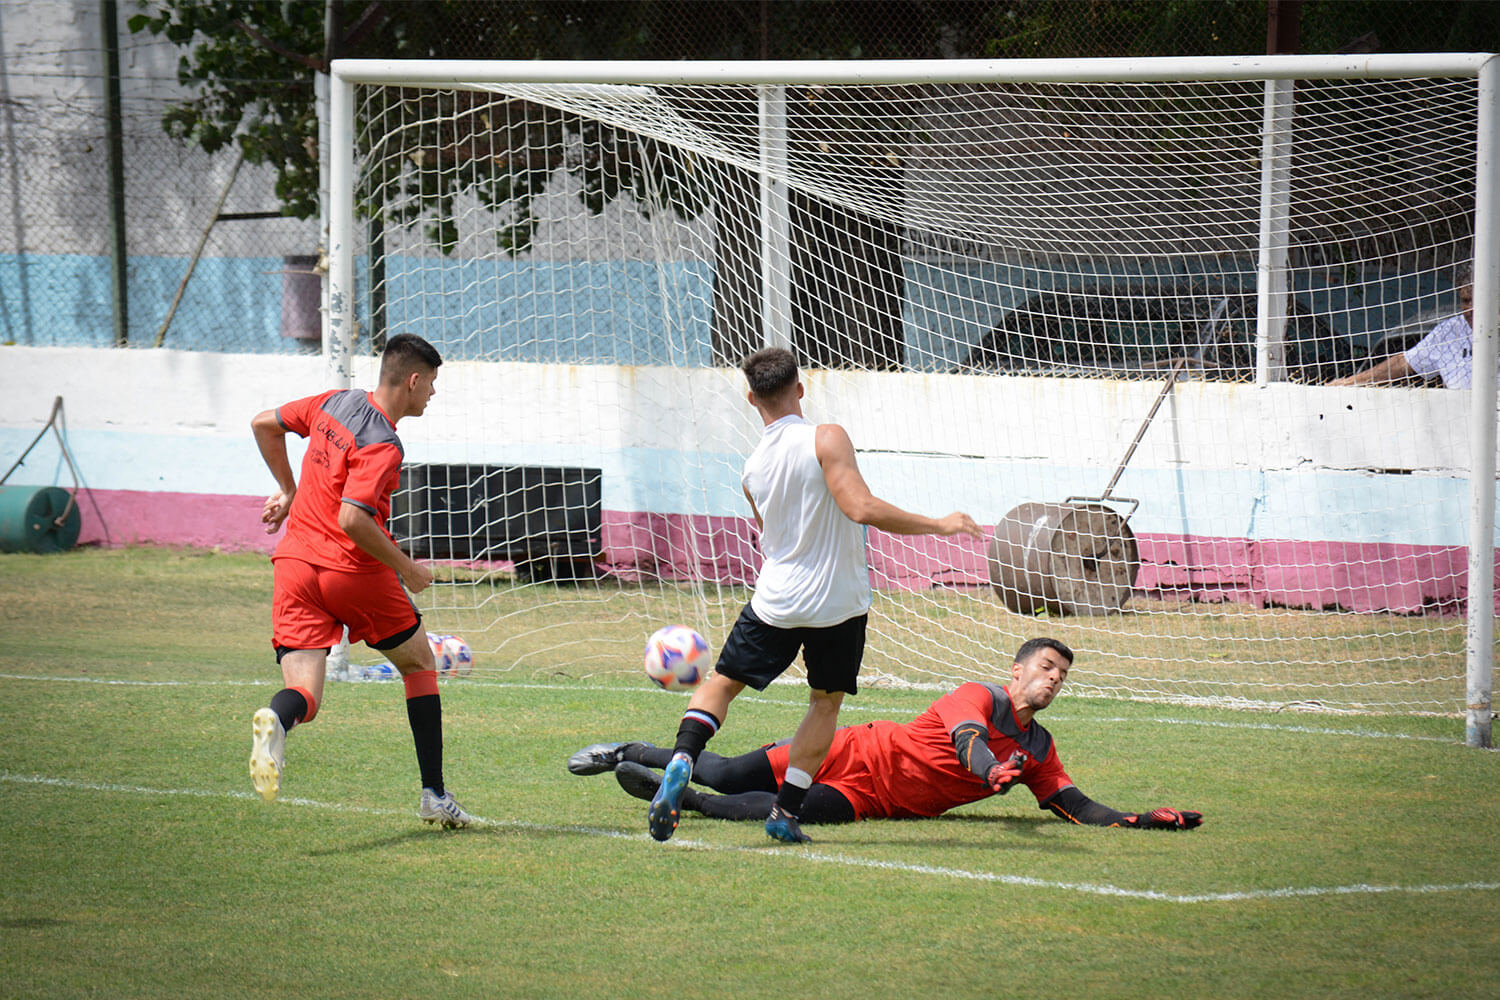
(1283, 27)
(108, 24)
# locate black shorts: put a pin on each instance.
(756, 653)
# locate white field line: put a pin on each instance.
(806, 854)
(849, 706)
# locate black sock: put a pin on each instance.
(790, 797)
(694, 733)
(425, 713)
(290, 707)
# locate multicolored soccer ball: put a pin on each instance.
(676, 657)
(460, 654)
(440, 655)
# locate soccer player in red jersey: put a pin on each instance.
(976, 741)
(338, 566)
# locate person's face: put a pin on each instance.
(1036, 682)
(1466, 302)
(420, 391)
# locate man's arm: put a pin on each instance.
(361, 528)
(969, 741)
(270, 438)
(840, 470)
(1392, 369)
(756, 511)
(1076, 807)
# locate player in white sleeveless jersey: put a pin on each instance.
(812, 594)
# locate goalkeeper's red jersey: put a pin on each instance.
(901, 770)
(353, 456)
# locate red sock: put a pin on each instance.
(312, 704)
(420, 683)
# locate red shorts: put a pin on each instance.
(310, 605)
(844, 769)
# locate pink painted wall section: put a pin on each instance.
(1360, 577)
(203, 520)
(1349, 576)
(639, 546)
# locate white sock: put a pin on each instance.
(798, 777)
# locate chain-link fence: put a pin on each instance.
(205, 261)
(56, 279)
(211, 264)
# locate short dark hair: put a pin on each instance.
(1031, 647)
(405, 353)
(770, 371)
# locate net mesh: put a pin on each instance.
(999, 290)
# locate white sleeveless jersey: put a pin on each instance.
(815, 572)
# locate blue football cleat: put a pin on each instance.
(783, 826)
(661, 816)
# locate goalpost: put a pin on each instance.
(1094, 303)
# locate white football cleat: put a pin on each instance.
(267, 753)
(442, 809)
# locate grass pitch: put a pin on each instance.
(1339, 857)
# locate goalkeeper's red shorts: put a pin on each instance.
(844, 769)
(310, 605)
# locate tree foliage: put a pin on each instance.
(250, 63)
(249, 87)
(250, 66)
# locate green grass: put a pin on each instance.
(136, 862)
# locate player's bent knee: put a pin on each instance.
(393, 641)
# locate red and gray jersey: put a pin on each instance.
(900, 770)
(353, 456)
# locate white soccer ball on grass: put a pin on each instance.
(460, 654)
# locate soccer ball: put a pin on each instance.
(676, 657)
(440, 655)
(460, 653)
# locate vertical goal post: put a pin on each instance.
(1267, 291)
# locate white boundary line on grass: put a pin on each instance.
(807, 854)
(1052, 717)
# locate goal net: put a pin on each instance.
(1099, 315)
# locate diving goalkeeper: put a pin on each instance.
(976, 741)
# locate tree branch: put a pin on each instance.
(317, 65)
(373, 17)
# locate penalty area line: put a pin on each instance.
(118, 682)
(806, 854)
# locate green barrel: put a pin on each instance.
(29, 519)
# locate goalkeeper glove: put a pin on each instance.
(1164, 818)
(1001, 777)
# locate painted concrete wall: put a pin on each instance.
(1284, 462)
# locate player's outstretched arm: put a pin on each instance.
(850, 491)
(974, 754)
(1076, 807)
